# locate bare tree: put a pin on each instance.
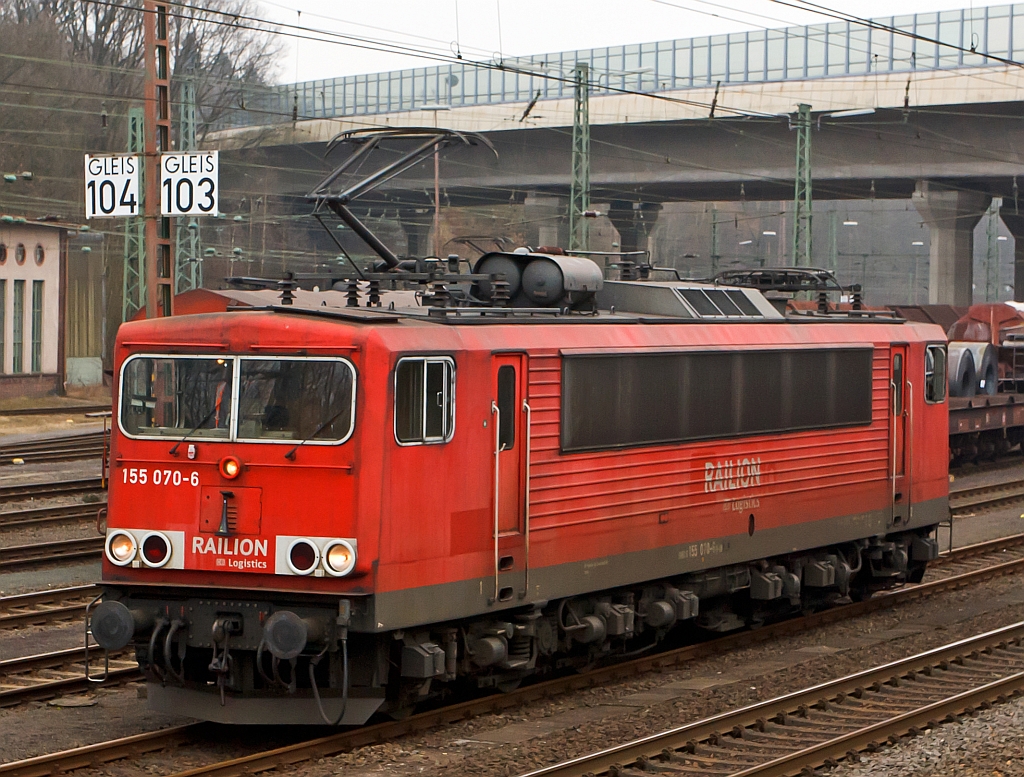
(217, 43)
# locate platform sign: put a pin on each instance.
(189, 183)
(112, 186)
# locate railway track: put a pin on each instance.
(39, 607)
(28, 491)
(65, 448)
(828, 723)
(56, 410)
(965, 500)
(45, 553)
(990, 558)
(44, 515)
(43, 676)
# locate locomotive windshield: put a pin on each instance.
(164, 396)
(289, 399)
(271, 399)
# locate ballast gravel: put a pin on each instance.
(991, 743)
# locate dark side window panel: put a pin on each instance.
(507, 407)
(617, 401)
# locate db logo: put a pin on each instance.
(222, 562)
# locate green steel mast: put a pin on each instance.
(133, 291)
(188, 269)
(802, 190)
(579, 198)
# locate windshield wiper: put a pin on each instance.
(290, 455)
(195, 429)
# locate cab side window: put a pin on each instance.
(935, 373)
(424, 400)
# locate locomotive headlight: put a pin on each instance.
(303, 556)
(230, 467)
(156, 549)
(121, 548)
(339, 558)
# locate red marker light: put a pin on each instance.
(303, 557)
(156, 550)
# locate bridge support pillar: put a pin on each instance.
(951, 216)
(546, 219)
(416, 222)
(634, 222)
(1015, 223)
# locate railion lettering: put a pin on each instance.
(732, 475)
(229, 546)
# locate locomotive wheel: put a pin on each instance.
(861, 593)
(401, 713)
(915, 574)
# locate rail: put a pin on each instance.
(65, 448)
(986, 497)
(43, 676)
(39, 607)
(45, 553)
(24, 491)
(55, 410)
(43, 515)
(827, 723)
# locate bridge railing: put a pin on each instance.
(790, 53)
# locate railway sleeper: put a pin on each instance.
(234, 657)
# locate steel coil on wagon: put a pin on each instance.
(986, 360)
(963, 377)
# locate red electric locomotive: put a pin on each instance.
(322, 510)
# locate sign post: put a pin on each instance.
(159, 262)
(112, 186)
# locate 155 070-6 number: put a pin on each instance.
(160, 477)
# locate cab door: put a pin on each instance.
(898, 408)
(509, 449)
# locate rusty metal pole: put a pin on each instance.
(159, 266)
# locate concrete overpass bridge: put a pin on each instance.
(696, 119)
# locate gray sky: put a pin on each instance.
(519, 27)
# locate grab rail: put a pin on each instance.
(895, 443)
(497, 493)
(908, 447)
(526, 503)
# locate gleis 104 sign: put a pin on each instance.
(112, 186)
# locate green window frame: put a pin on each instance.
(18, 328)
(3, 325)
(37, 326)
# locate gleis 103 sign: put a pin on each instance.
(112, 186)
(188, 184)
